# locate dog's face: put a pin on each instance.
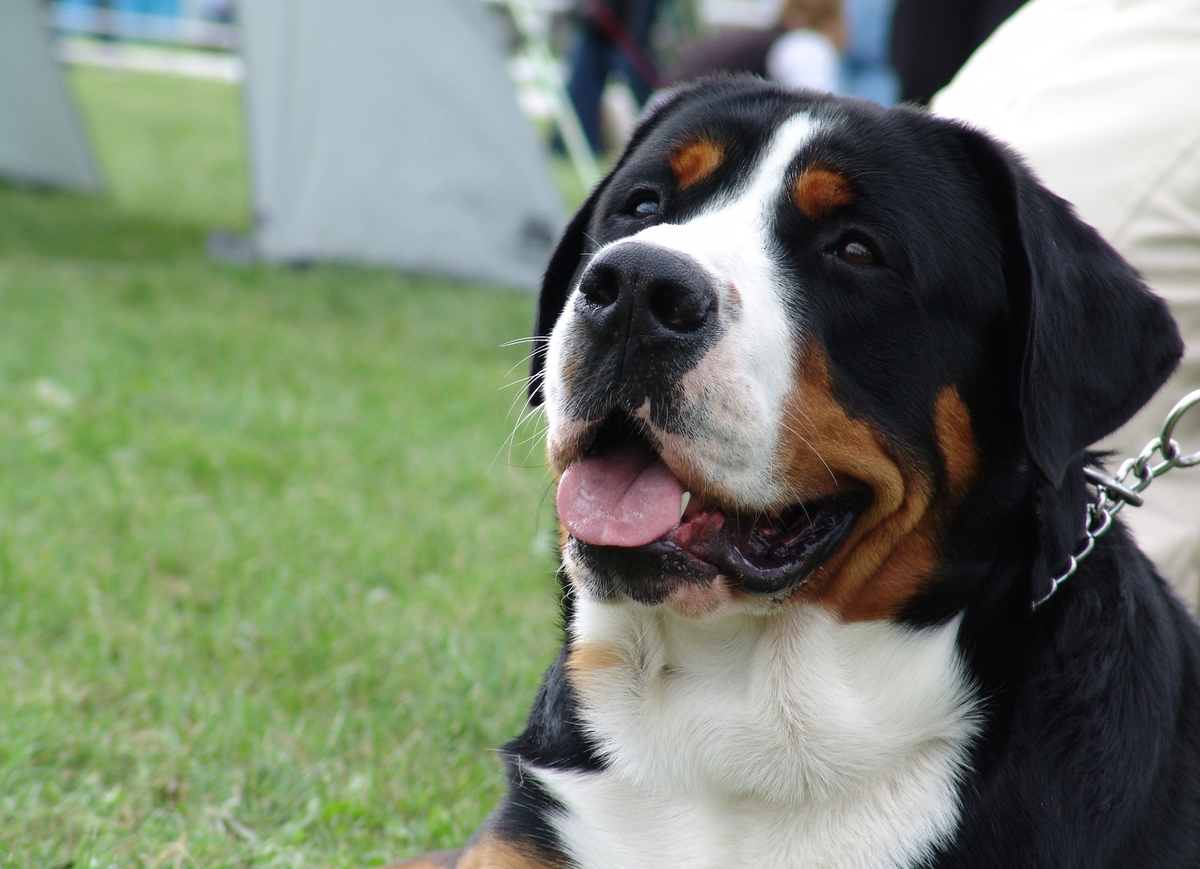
(788, 333)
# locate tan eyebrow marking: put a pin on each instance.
(696, 160)
(818, 191)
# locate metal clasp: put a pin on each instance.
(1113, 493)
(1129, 496)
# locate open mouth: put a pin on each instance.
(621, 496)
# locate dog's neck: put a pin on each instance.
(837, 740)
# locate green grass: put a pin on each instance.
(272, 584)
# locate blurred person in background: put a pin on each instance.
(1102, 97)
(808, 52)
(611, 36)
(801, 50)
(867, 58)
(932, 39)
(839, 47)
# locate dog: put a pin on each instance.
(820, 378)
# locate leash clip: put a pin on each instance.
(1113, 493)
(1124, 493)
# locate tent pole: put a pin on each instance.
(533, 30)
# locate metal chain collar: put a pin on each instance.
(1134, 475)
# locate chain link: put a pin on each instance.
(1132, 477)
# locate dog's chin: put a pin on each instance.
(715, 559)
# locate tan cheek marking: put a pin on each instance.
(564, 444)
(694, 161)
(956, 443)
(588, 662)
(570, 370)
(432, 860)
(819, 191)
(494, 853)
(890, 550)
(698, 601)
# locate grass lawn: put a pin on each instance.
(273, 581)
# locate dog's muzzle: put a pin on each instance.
(648, 314)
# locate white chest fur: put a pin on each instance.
(787, 740)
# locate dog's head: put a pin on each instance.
(790, 336)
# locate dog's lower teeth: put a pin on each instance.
(683, 503)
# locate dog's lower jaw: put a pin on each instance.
(714, 562)
(688, 592)
(761, 739)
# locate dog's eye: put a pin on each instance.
(644, 203)
(856, 253)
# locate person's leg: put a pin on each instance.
(589, 65)
(640, 21)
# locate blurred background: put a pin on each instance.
(276, 541)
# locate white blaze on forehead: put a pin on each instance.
(743, 379)
(734, 237)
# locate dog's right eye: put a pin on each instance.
(644, 203)
(856, 252)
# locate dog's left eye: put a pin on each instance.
(856, 253)
(643, 204)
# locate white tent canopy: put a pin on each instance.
(42, 141)
(388, 132)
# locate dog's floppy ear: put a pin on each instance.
(559, 277)
(1091, 344)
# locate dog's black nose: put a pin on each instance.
(649, 315)
(647, 296)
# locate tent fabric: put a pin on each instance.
(389, 133)
(42, 140)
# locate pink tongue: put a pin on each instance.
(625, 498)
